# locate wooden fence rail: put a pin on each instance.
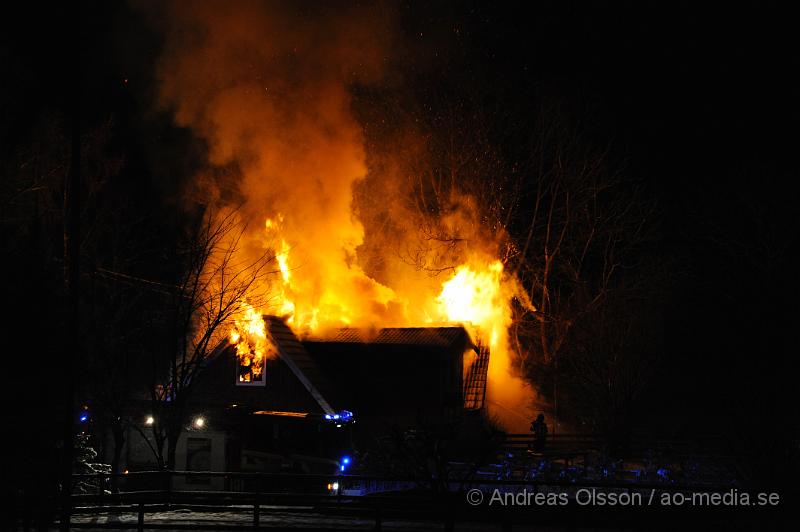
(422, 499)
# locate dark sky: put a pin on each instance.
(689, 96)
(686, 91)
(700, 102)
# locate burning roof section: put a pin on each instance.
(326, 378)
(475, 361)
(446, 337)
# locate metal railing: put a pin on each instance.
(587, 442)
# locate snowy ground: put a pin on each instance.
(281, 517)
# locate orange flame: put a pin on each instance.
(253, 347)
(475, 297)
(301, 155)
(478, 296)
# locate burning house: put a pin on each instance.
(388, 275)
(315, 400)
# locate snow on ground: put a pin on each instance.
(275, 517)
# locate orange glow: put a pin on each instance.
(335, 293)
(478, 296)
(280, 414)
(475, 297)
(253, 347)
(355, 243)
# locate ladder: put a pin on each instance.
(475, 383)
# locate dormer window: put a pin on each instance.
(249, 366)
(253, 347)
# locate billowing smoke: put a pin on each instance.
(268, 86)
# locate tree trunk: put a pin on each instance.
(158, 448)
(119, 440)
(172, 445)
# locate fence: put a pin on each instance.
(357, 497)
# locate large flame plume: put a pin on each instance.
(268, 88)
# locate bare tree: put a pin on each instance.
(585, 238)
(612, 355)
(218, 274)
(559, 213)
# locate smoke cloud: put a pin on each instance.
(268, 86)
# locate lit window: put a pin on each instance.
(249, 367)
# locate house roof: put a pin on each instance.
(319, 372)
(412, 336)
(398, 369)
(336, 370)
(299, 361)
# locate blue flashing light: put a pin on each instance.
(346, 460)
(84, 418)
(341, 418)
(341, 468)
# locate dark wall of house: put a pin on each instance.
(389, 388)
(217, 387)
(392, 386)
(216, 391)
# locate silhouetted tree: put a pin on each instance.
(217, 274)
(560, 213)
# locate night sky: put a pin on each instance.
(697, 104)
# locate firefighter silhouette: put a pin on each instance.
(539, 430)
